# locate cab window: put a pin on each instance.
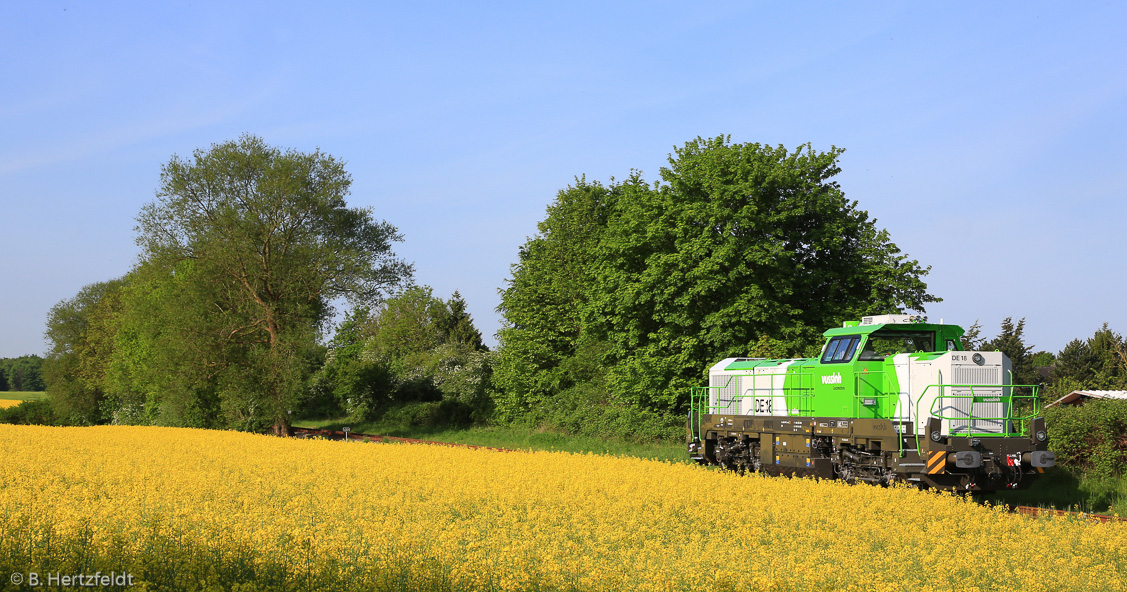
(882, 344)
(840, 349)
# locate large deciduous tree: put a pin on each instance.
(741, 249)
(541, 338)
(269, 242)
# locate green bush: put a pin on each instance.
(586, 410)
(1090, 438)
(30, 413)
(445, 413)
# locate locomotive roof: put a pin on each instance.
(896, 324)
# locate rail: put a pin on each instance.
(356, 437)
(1075, 515)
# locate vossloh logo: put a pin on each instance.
(834, 378)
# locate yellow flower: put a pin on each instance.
(183, 508)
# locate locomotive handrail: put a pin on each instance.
(755, 389)
(1008, 419)
(806, 392)
(979, 398)
(884, 396)
(699, 398)
(694, 407)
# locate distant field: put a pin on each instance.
(5, 403)
(23, 395)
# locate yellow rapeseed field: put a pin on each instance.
(5, 403)
(193, 509)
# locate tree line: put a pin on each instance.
(627, 293)
(1096, 363)
(24, 373)
(243, 253)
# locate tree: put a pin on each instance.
(351, 380)
(457, 324)
(1043, 359)
(972, 339)
(1109, 352)
(742, 242)
(740, 248)
(169, 352)
(541, 306)
(1099, 362)
(269, 235)
(21, 374)
(80, 333)
(1011, 341)
(413, 348)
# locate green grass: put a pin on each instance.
(511, 437)
(23, 395)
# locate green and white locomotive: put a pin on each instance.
(890, 398)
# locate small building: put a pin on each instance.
(1081, 397)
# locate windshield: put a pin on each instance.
(840, 349)
(882, 344)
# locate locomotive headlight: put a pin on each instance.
(1042, 436)
(978, 359)
(936, 436)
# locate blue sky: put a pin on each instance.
(989, 139)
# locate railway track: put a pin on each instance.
(357, 437)
(1039, 512)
